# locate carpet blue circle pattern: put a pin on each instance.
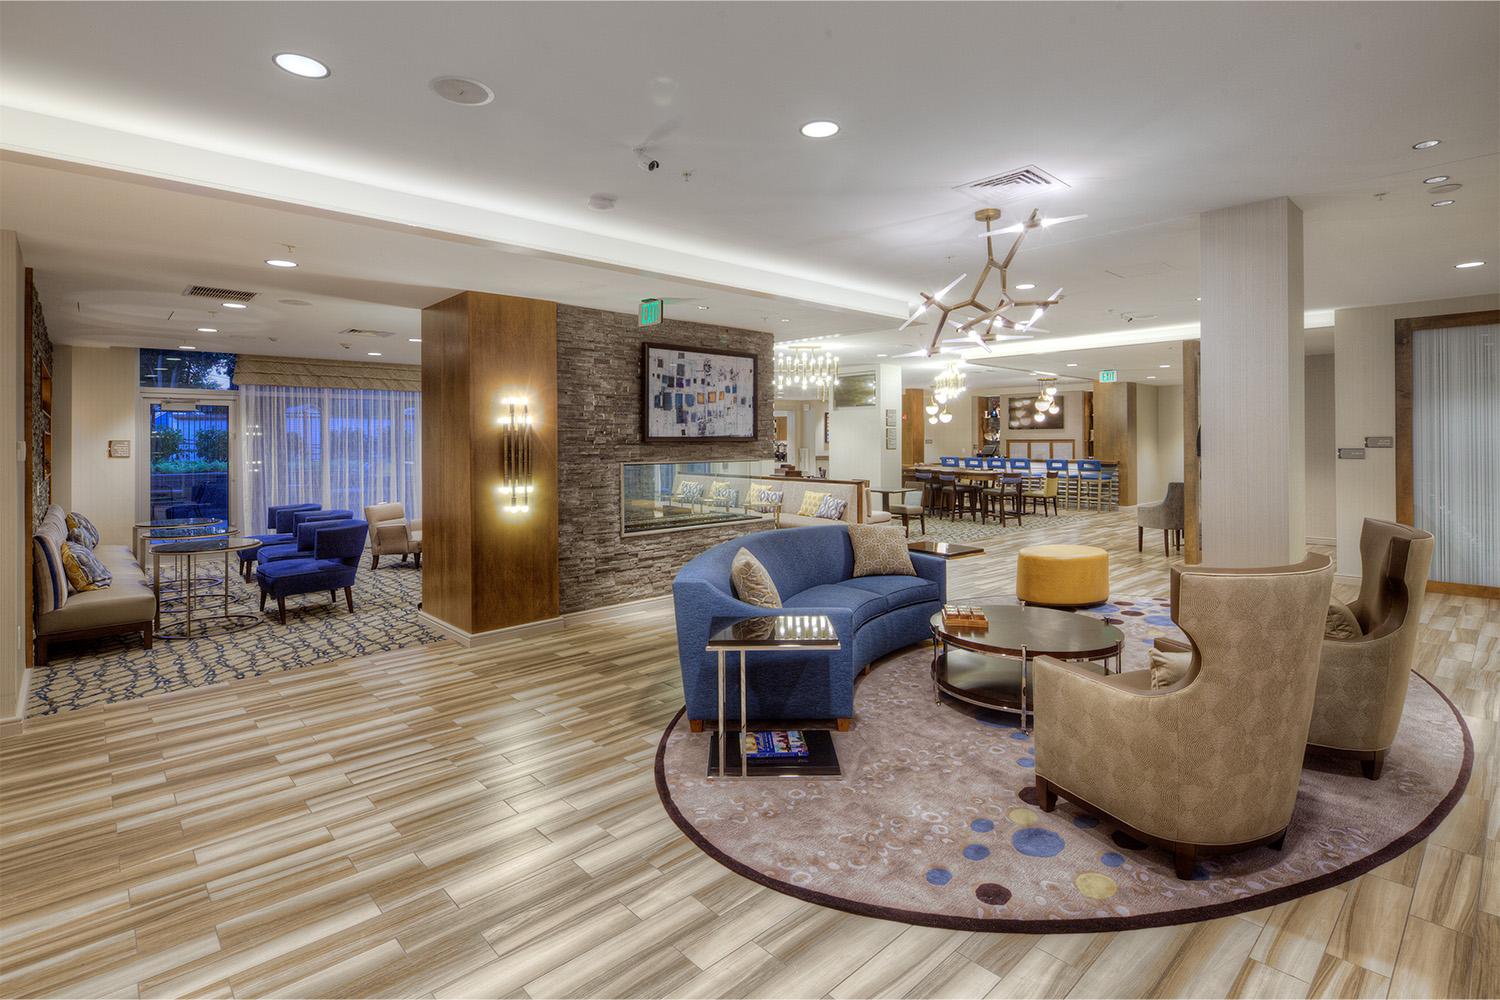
(935, 820)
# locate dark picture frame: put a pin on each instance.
(697, 394)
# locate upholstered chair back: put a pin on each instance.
(343, 542)
(1384, 562)
(279, 518)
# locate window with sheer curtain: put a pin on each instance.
(342, 448)
(1456, 450)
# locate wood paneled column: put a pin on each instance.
(1115, 433)
(1251, 385)
(484, 569)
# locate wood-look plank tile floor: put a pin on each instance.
(440, 821)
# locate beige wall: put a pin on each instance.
(856, 435)
(1321, 456)
(13, 563)
(1072, 407)
(1364, 379)
(102, 386)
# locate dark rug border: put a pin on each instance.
(1084, 925)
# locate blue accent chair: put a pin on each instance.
(813, 571)
(279, 524)
(950, 460)
(973, 463)
(302, 540)
(1021, 465)
(994, 463)
(333, 565)
(1090, 482)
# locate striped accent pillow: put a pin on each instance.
(82, 530)
(84, 570)
(831, 507)
(691, 491)
(51, 578)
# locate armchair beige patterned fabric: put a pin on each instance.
(1362, 680)
(391, 534)
(1209, 764)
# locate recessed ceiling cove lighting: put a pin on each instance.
(1425, 144)
(207, 329)
(1471, 263)
(304, 66)
(235, 305)
(1026, 287)
(1436, 180)
(282, 263)
(1442, 204)
(819, 130)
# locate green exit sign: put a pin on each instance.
(1108, 376)
(650, 312)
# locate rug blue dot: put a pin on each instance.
(1112, 859)
(1200, 874)
(976, 852)
(1085, 822)
(1034, 842)
(981, 825)
(939, 876)
(1026, 761)
(1103, 609)
(1160, 620)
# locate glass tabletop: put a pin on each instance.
(178, 522)
(773, 632)
(210, 530)
(195, 545)
(1042, 631)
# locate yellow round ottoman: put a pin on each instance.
(1062, 576)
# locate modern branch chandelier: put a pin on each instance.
(985, 329)
(802, 367)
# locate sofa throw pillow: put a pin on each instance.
(880, 550)
(831, 507)
(810, 501)
(752, 584)
(726, 494)
(690, 491)
(51, 578)
(1169, 668)
(755, 494)
(84, 570)
(82, 530)
(1341, 623)
(771, 496)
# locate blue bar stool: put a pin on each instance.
(1090, 482)
(949, 460)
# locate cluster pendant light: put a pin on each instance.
(1024, 413)
(949, 385)
(803, 369)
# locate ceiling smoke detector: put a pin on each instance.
(459, 90)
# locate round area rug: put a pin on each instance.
(935, 820)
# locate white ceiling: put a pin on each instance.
(145, 147)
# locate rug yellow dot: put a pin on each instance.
(1022, 816)
(1095, 886)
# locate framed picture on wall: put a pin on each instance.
(688, 392)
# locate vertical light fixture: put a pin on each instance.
(517, 482)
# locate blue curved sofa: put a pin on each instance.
(813, 571)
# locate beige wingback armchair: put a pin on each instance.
(391, 534)
(1209, 764)
(1367, 654)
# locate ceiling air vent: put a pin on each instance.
(1027, 182)
(222, 294)
(354, 331)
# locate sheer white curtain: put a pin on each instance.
(1455, 444)
(342, 448)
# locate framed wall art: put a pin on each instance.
(694, 393)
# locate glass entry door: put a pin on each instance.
(190, 458)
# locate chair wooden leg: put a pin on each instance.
(1372, 768)
(281, 606)
(1182, 857)
(418, 560)
(1046, 798)
(1166, 544)
(349, 598)
(263, 600)
(374, 560)
(695, 725)
(844, 725)
(1140, 538)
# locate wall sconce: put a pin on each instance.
(517, 484)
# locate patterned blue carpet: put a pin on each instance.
(100, 671)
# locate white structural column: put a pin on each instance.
(1251, 390)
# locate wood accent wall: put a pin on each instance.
(913, 426)
(1115, 432)
(1192, 488)
(482, 572)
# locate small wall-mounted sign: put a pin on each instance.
(1380, 442)
(1109, 376)
(650, 312)
(119, 449)
(1351, 453)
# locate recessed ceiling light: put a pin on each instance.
(1026, 287)
(1150, 376)
(1436, 180)
(207, 329)
(304, 66)
(1442, 204)
(882, 355)
(1471, 263)
(788, 321)
(703, 307)
(186, 347)
(281, 263)
(819, 130)
(1072, 364)
(1425, 144)
(1164, 366)
(373, 354)
(235, 305)
(1198, 299)
(413, 340)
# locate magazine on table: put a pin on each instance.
(777, 743)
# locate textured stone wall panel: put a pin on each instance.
(41, 360)
(599, 427)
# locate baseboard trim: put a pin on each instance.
(1321, 541)
(15, 725)
(593, 616)
(471, 639)
(1345, 578)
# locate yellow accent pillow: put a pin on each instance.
(83, 568)
(810, 501)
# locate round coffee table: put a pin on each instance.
(989, 665)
